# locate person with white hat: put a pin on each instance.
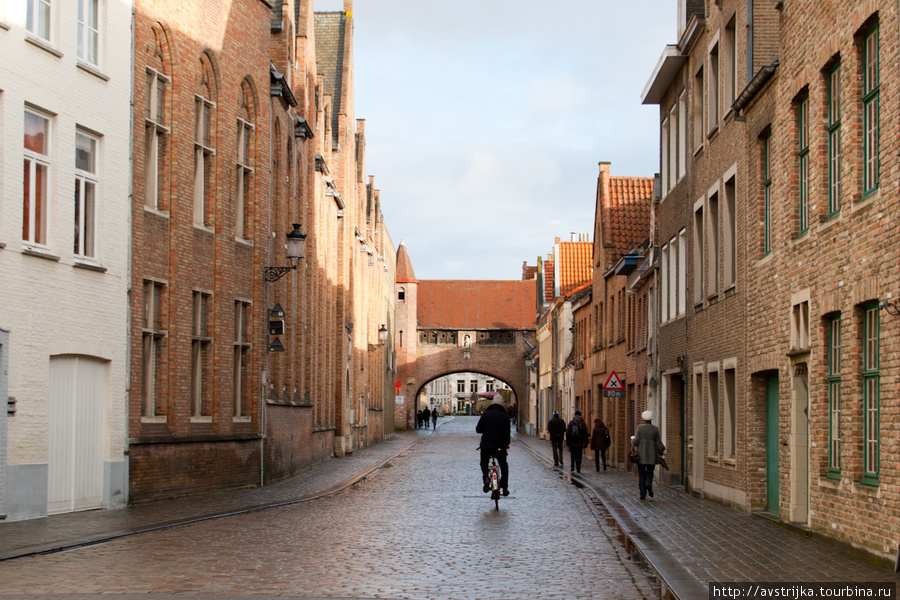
(649, 448)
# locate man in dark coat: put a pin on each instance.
(577, 437)
(649, 447)
(494, 429)
(557, 430)
(426, 417)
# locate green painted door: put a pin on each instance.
(772, 447)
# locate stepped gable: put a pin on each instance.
(458, 304)
(575, 265)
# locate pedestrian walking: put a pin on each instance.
(649, 448)
(557, 430)
(426, 416)
(600, 442)
(577, 437)
(419, 420)
(434, 416)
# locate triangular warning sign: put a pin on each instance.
(613, 383)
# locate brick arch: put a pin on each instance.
(164, 49)
(424, 384)
(506, 363)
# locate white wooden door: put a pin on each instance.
(76, 434)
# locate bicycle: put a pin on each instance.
(494, 481)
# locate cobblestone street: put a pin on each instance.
(420, 527)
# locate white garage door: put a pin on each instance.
(77, 398)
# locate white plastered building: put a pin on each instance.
(65, 172)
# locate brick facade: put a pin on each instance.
(843, 261)
(771, 424)
(282, 80)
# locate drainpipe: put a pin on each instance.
(687, 314)
(750, 69)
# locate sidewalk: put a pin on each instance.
(71, 530)
(691, 542)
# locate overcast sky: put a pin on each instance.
(485, 120)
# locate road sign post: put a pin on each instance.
(614, 387)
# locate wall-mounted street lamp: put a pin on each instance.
(296, 242)
(891, 308)
(382, 338)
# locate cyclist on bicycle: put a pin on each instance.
(494, 429)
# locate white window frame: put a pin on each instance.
(155, 129)
(203, 152)
(682, 272)
(673, 146)
(664, 284)
(697, 107)
(243, 183)
(729, 58)
(153, 334)
(664, 159)
(713, 410)
(682, 135)
(713, 82)
(800, 341)
(201, 355)
(699, 232)
(729, 386)
(88, 41)
(242, 349)
(38, 234)
(39, 19)
(673, 279)
(86, 221)
(729, 229)
(713, 225)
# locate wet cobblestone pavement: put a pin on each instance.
(418, 527)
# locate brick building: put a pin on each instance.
(621, 224)
(65, 89)
(821, 137)
(777, 177)
(247, 129)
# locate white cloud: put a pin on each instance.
(485, 120)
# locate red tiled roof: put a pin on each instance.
(581, 287)
(624, 215)
(574, 265)
(477, 304)
(405, 273)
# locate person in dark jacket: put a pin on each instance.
(426, 417)
(557, 430)
(577, 437)
(434, 416)
(649, 448)
(494, 429)
(600, 442)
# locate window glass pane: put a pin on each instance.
(36, 130)
(89, 204)
(85, 151)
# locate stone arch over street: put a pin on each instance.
(459, 326)
(500, 365)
